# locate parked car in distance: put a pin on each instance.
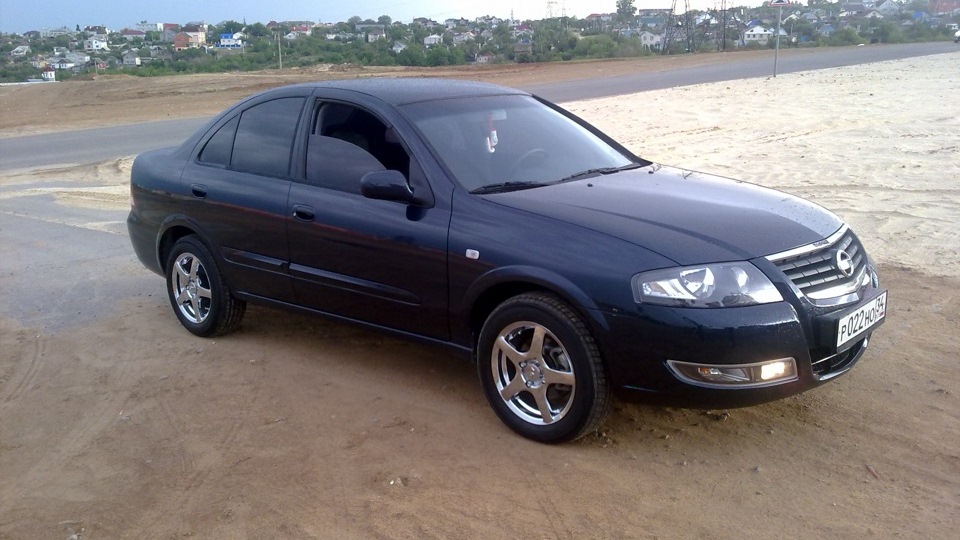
(502, 227)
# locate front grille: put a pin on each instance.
(816, 272)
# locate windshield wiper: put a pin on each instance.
(599, 170)
(506, 186)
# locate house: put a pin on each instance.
(182, 41)
(488, 20)
(651, 41)
(159, 52)
(57, 32)
(652, 21)
(20, 52)
(852, 10)
(131, 58)
(62, 63)
(486, 58)
(130, 34)
(169, 31)
(425, 22)
(78, 58)
(826, 30)
(757, 34)
(92, 31)
(376, 35)
(149, 27)
(398, 47)
(197, 33)
(432, 40)
(95, 44)
(459, 39)
(49, 74)
(230, 41)
(524, 46)
(888, 8)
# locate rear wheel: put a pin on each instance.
(197, 291)
(541, 369)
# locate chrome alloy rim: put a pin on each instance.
(191, 288)
(533, 373)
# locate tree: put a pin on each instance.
(625, 11)
(385, 20)
(230, 27)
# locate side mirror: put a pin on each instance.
(387, 186)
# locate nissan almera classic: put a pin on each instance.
(500, 226)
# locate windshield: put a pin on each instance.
(510, 142)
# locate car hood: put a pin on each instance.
(689, 217)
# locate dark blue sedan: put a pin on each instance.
(496, 224)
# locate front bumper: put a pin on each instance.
(640, 349)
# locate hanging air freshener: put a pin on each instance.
(492, 139)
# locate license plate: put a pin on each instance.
(862, 320)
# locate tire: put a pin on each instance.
(541, 369)
(198, 294)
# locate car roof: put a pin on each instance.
(401, 91)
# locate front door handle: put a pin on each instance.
(304, 212)
(199, 191)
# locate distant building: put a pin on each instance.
(130, 34)
(230, 41)
(95, 44)
(149, 27)
(131, 58)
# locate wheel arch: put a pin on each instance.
(173, 229)
(495, 287)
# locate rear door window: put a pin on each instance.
(265, 137)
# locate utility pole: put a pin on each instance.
(779, 5)
(279, 50)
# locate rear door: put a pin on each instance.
(376, 261)
(239, 182)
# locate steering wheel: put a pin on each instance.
(530, 158)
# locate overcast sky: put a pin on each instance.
(22, 15)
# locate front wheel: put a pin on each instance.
(541, 370)
(197, 291)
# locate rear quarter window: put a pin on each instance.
(219, 148)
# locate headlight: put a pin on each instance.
(707, 286)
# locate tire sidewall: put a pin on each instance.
(518, 309)
(191, 244)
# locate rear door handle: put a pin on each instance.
(199, 190)
(304, 212)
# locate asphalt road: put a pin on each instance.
(91, 145)
(789, 61)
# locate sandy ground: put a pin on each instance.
(126, 426)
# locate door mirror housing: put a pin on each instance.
(387, 186)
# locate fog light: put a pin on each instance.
(779, 371)
(774, 370)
